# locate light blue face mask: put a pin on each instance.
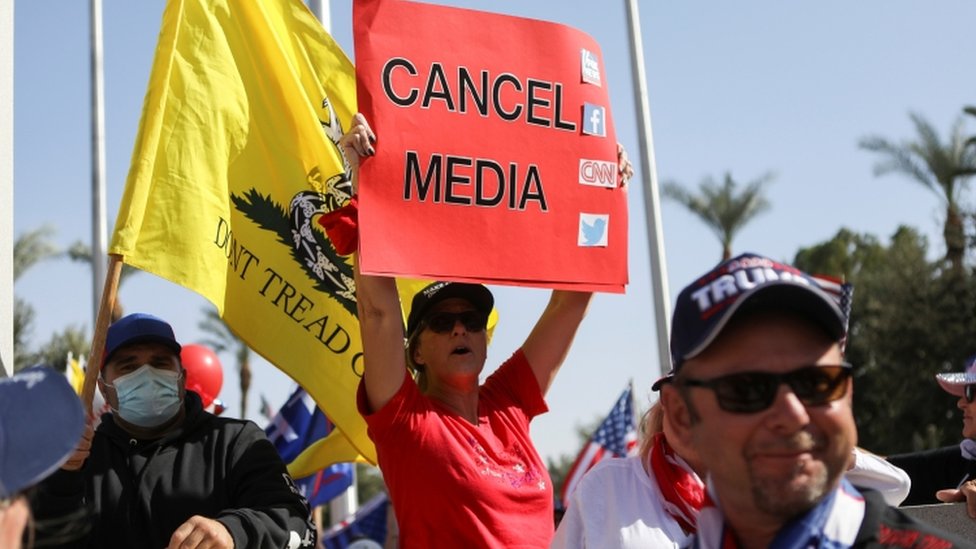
(148, 397)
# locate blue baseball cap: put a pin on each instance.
(138, 328)
(41, 421)
(704, 307)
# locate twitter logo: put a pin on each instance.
(593, 230)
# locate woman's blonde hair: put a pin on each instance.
(652, 423)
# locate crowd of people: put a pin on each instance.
(751, 444)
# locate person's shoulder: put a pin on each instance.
(228, 427)
(889, 526)
(608, 472)
(934, 453)
(625, 464)
(233, 423)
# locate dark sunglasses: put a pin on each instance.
(443, 322)
(970, 392)
(751, 392)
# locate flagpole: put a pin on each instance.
(98, 246)
(345, 504)
(652, 208)
(101, 330)
(320, 8)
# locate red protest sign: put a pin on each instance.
(495, 155)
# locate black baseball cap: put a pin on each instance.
(432, 294)
(704, 307)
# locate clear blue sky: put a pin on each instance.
(745, 87)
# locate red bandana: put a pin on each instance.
(342, 227)
(683, 491)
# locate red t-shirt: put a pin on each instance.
(454, 484)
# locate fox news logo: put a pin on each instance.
(597, 173)
(590, 67)
(594, 120)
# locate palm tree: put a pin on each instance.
(226, 340)
(29, 249)
(971, 111)
(943, 168)
(72, 340)
(33, 247)
(723, 210)
(82, 253)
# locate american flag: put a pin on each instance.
(615, 437)
(369, 522)
(294, 428)
(843, 294)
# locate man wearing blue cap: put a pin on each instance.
(162, 472)
(760, 390)
(40, 423)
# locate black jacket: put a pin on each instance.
(887, 527)
(933, 470)
(138, 492)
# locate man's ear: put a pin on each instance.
(678, 416)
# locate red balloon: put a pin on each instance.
(204, 374)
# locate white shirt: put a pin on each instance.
(875, 473)
(616, 504)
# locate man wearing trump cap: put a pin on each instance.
(760, 389)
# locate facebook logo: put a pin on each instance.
(594, 120)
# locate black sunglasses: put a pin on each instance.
(751, 392)
(970, 392)
(443, 322)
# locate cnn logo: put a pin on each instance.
(597, 173)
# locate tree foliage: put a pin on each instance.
(30, 249)
(73, 340)
(910, 320)
(942, 167)
(724, 208)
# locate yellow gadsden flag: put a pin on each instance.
(235, 159)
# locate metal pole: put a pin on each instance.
(99, 247)
(7, 189)
(652, 207)
(321, 10)
(345, 504)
